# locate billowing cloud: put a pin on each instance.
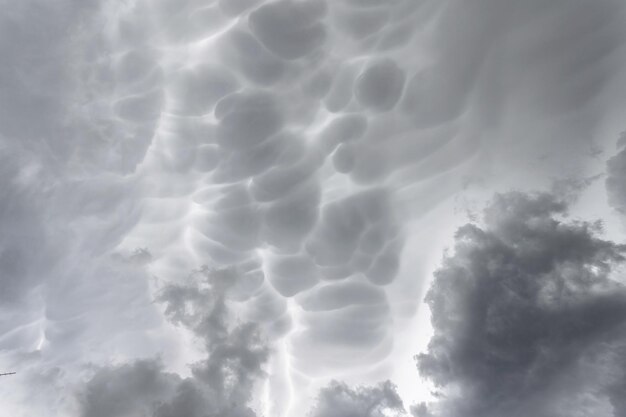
(129, 390)
(339, 400)
(221, 384)
(528, 316)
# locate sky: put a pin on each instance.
(319, 208)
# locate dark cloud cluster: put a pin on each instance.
(529, 317)
(339, 400)
(222, 384)
(129, 390)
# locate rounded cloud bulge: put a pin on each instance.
(236, 207)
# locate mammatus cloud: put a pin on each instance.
(316, 149)
(529, 316)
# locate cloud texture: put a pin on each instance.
(528, 316)
(222, 384)
(316, 154)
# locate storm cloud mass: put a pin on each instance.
(528, 318)
(221, 384)
(239, 208)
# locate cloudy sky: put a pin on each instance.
(319, 208)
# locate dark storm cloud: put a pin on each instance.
(340, 400)
(132, 389)
(221, 384)
(527, 317)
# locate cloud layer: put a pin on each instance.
(318, 152)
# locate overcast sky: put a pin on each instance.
(322, 208)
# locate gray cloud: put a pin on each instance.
(289, 30)
(339, 400)
(616, 177)
(24, 241)
(221, 384)
(527, 316)
(299, 144)
(135, 389)
(380, 85)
